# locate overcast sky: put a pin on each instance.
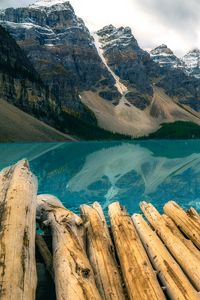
(154, 22)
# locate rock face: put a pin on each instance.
(165, 57)
(105, 78)
(20, 84)
(189, 63)
(125, 57)
(61, 49)
(192, 62)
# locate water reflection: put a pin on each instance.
(107, 171)
(132, 163)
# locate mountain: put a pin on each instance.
(165, 57)
(100, 81)
(61, 50)
(189, 63)
(192, 62)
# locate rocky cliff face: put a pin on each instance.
(189, 63)
(165, 57)
(128, 61)
(103, 78)
(192, 62)
(61, 49)
(19, 82)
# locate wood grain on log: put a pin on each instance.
(73, 274)
(187, 260)
(175, 230)
(18, 190)
(187, 224)
(139, 276)
(170, 273)
(101, 253)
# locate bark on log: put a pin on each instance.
(45, 253)
(188, 243)
(139, 276)
(73, 274)
(187, 260)
(172, 277)
(18, 191)
(183, 221)
(101, 253)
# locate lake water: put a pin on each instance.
(84, 172)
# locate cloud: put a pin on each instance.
(181, 15)
(154, 22)
(14, 3)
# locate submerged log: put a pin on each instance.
(45, 253)
(172, 277)
(18, 190)
(73, 274)
(175, 230)
(101, 253)
(139, 276)
(187, 260)
(188, 225)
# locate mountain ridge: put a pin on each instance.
(105, 78)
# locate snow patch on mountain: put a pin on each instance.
(165, 57)
(192, 62)
(49, 3)
(189, 63)
(119, 85)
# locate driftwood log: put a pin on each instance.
(101, 253)
(45, 253)
(18, 190)
(184, 221)
(187, 260)
(172, 277)
(192, 213)
(73, 274)
(139, 276)
(175, 230)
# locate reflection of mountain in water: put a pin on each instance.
(106, 171)
(133, 162)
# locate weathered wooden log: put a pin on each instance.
(101, 253)
(187, 260)
(172, 277)
(45, 253)
(183, 221)
(18, 191)
(188, 243)
(73, 274)
(192, 213)
(139, 276)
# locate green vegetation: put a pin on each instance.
(87, 131)
(177, 130)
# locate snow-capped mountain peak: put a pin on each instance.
(165, 57)
(161, 50)
(192, 62)
(61, 4)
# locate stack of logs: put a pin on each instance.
(129, 259)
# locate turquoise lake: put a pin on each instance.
(84, 172)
